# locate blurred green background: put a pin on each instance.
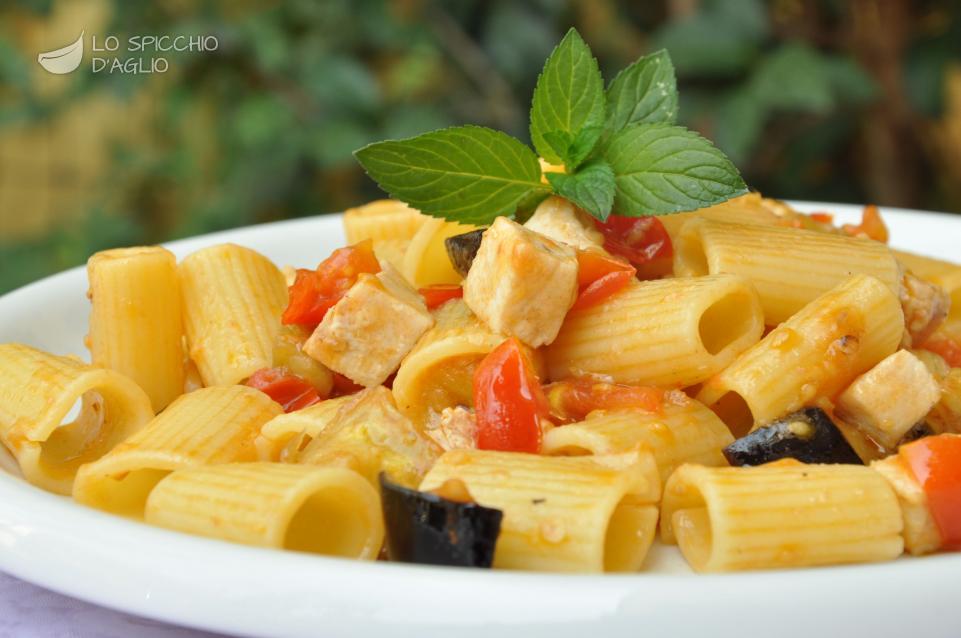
(854, 101)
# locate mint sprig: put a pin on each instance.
(619, 147)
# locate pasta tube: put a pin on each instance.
(573, 514)
(789, 267)
(382, 220)
(233, 299)
(136, 322)
(307, 509)
(671, 332)
(439, 371)
(206, 427)
(942, 273)
(816, 353)
(38, 391)
(682, 431)
(426, 262)
(783, 514)
(369, 435)
(303, 425)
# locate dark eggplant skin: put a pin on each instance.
(809, 435)
(427, 529)
(461, 249)
(919, 431)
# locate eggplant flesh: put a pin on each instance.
(425, 528)
(461, 249)
(810, 436)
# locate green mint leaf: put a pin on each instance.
(569, 95)
(560, 142)
(591, 188)
(661, 169)
(468, 174)
(574, 150)
(644, 92)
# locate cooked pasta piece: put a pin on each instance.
(816, 353)
(921, 535)
(37, 393)
(136, 319)
(784, 514)
(382, 220)
(564, 514)
(233, 298)
(206, 427)
(682, 431)
(789, 267)
(369, 435)
(673, 332)
(330, 511)
(746, 209)
(283, 429)
(438, 373)
(425, 261)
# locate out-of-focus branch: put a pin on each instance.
(891, 155)
(501, 105)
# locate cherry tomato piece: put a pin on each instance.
(947, 349)
(314, 292)
(935, 462)
(289, 390)
(572, 400)
(643, 241)
(508, 401)
(439, 294)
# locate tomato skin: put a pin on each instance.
(572, 400)
(871, 226)
(935, 462)
(643, 241)
(823, 218)
(947, 349)
(602, 288)
(508, 401)
(289, 390)
(599, 276)
(439, 294)
(344, 386)
(314, 292)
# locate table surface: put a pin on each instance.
(27, 611)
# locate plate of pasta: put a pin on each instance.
(538, 428)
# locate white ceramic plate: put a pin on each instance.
(218, 586)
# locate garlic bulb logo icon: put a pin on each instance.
(63, 60)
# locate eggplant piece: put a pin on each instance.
(809, 435)
(919, 431)
(425, 528)
(461, 249)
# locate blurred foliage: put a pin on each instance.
(821, 100)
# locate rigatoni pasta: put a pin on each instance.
(785, 514)
(672, 332)
(331, 511)
(38, 392)
(136, 320)
(233, 298)
(206, 427)
(815, 353)
(788, 267)
(561, 514)
(681, 431)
